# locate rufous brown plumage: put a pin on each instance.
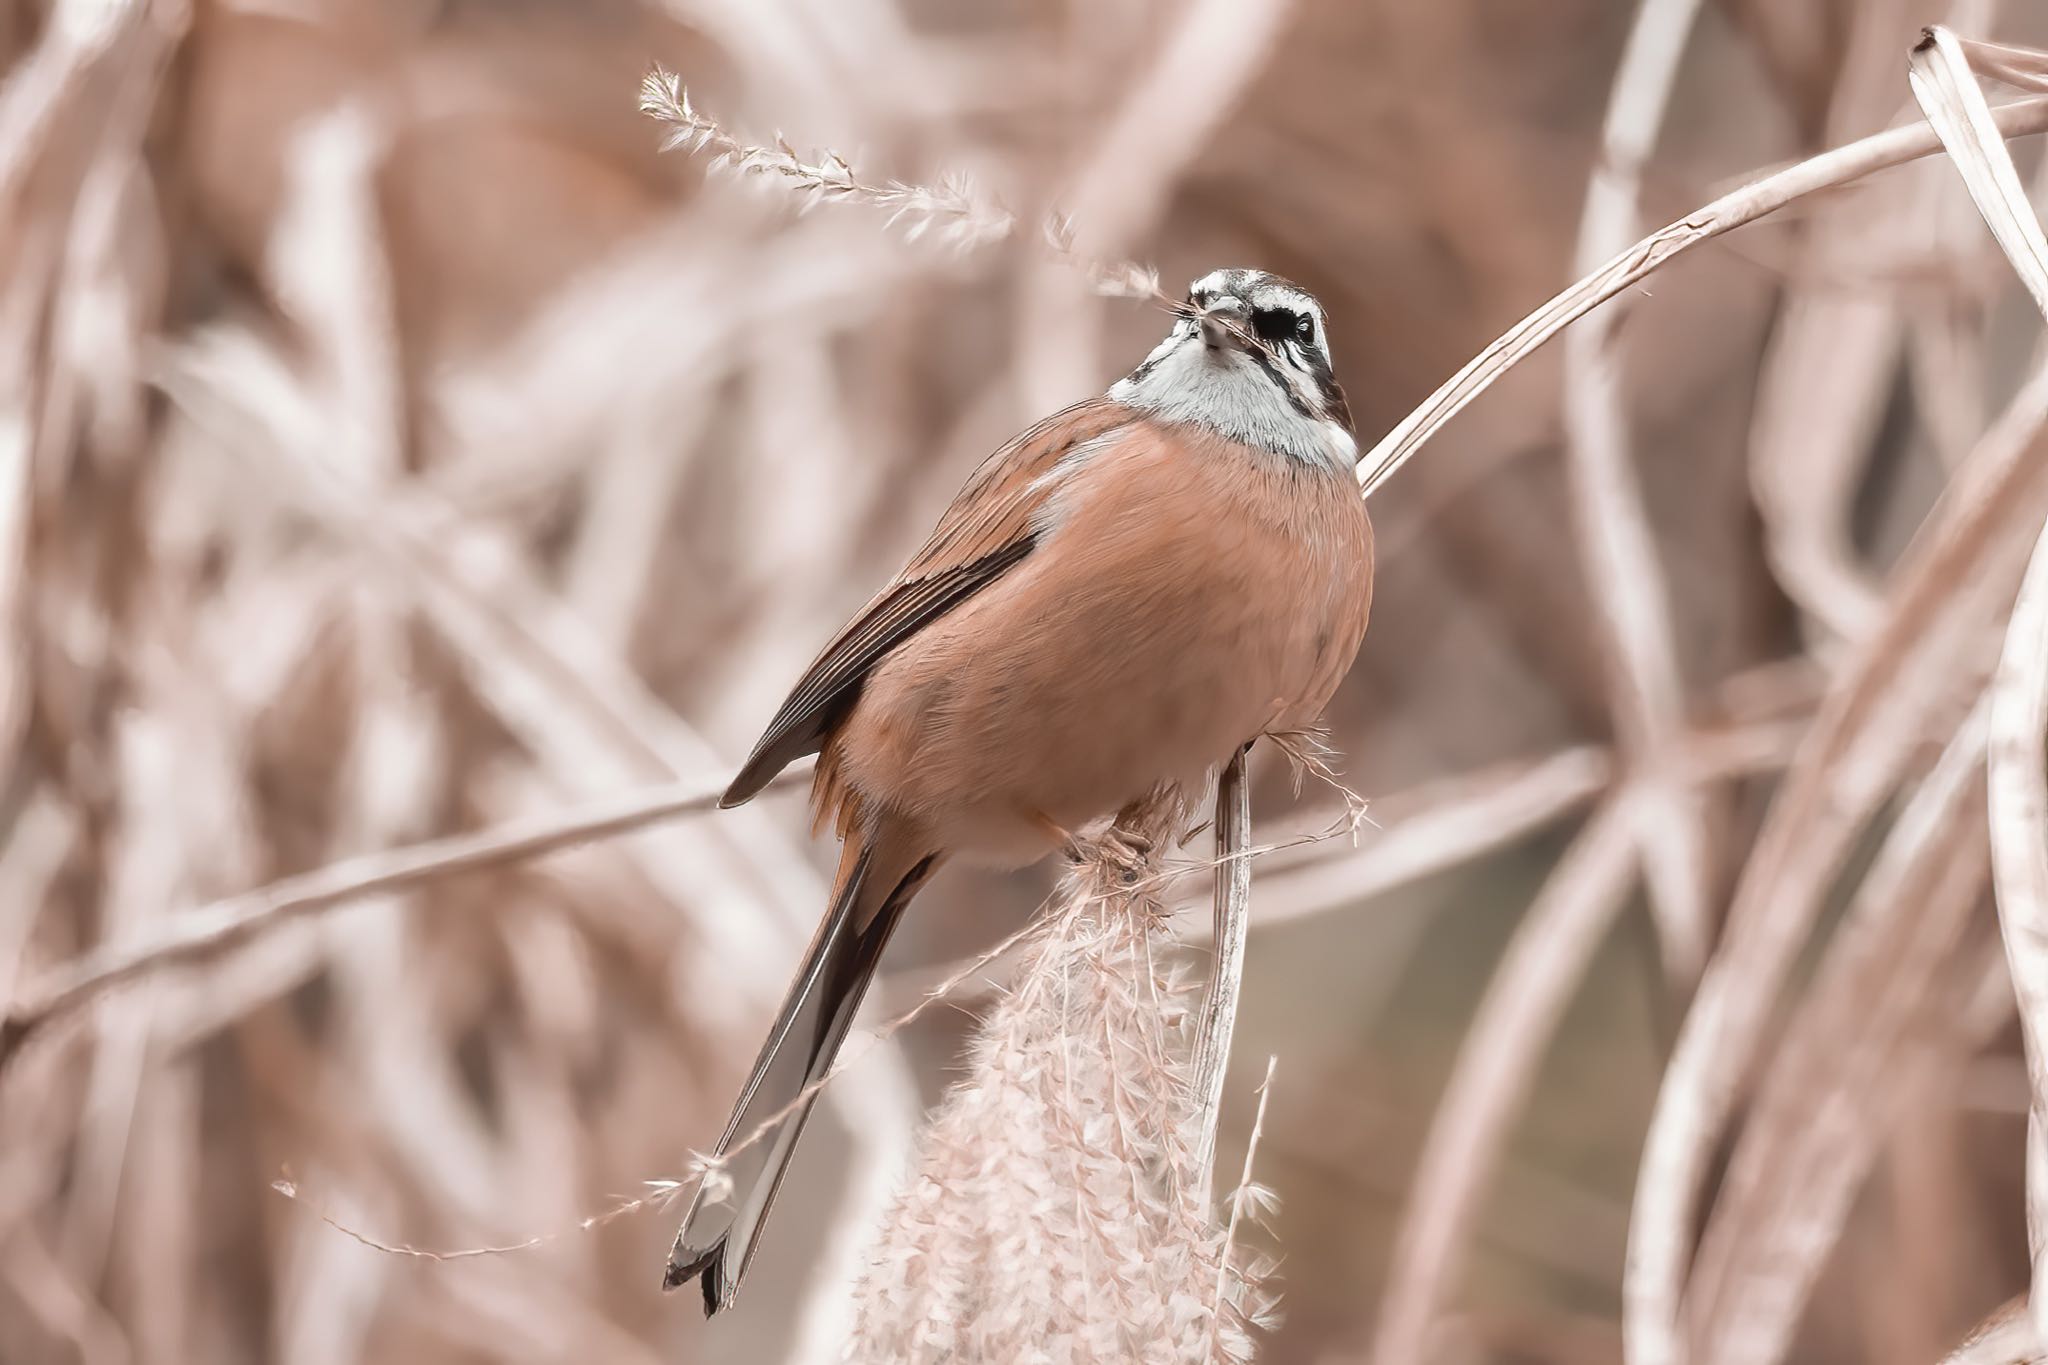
(1117, 601)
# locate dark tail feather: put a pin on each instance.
(718, 1238)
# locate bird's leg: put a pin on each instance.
(1124, 848)
(1129, 844)
(1119, 846)
(1070, 845)
(1142, 830)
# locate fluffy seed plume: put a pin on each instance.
(1053, 1212)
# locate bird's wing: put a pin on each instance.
(986, 532)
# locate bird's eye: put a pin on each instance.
(1276, 324)
(1304, 329)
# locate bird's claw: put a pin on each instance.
(1124, 851)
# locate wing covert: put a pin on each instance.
(984, 533)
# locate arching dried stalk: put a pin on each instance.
(1232, 926)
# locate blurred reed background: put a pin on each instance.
(395, 444)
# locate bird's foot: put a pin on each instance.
(1126, 852)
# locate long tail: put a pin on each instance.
(718, 1237)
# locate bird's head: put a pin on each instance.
(1249, 356)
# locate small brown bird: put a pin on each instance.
(1119, 599)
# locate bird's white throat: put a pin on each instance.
(1185, 380)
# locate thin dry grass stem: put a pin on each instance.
(662, 1194)
(952, 209)
(1955, 105)
(2004, 1338)
(198, 937)
(1053, 1211)
(1309, 755)
(2019, 858)
(584, 714)
(1943, 594)
(1452, 822)
(1247, 1202)
(1442, 825)
(1622, 569)
(1126, 181)
(703, 1168)
(1140, 159)
(1735, 209)
(2022, 68)
(1956, 108)
(1231, 929)
(1149, 882)
(1537, 977)
(1830, 363)
(1881, 1009)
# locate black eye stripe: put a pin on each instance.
(1284, 324)
(1274, 324)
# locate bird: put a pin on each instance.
(1118, 601)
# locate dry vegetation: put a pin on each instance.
(410, 472)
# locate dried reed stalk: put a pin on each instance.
(2019, 853)
(1955, 106)
(1832, 359)
(1960, 116)
(1231, 927)
(206, 934)
(1128, 180)
(1056, 1209)
(1847, 766)
(1535, 980)
(2004, 1338)
(574, 963)
(1623, 572)
(1879, 1012)
(1942, 596)
(1735, 209)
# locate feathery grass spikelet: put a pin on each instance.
(1053, 1211)
(949, 209)
(953, 209)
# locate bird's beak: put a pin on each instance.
(1226, 322)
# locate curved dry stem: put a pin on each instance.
(1622, 571)
(2004, 1338)
(1127, 181)
(1732, 210)
(1945, 591)
(1233, 920)
(1535, 980)
(1244, 1204)
(1830, 362)
(1837, 1082)
(662, 1192)
(1955, 106)
(201, 936)
(2019, 859)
